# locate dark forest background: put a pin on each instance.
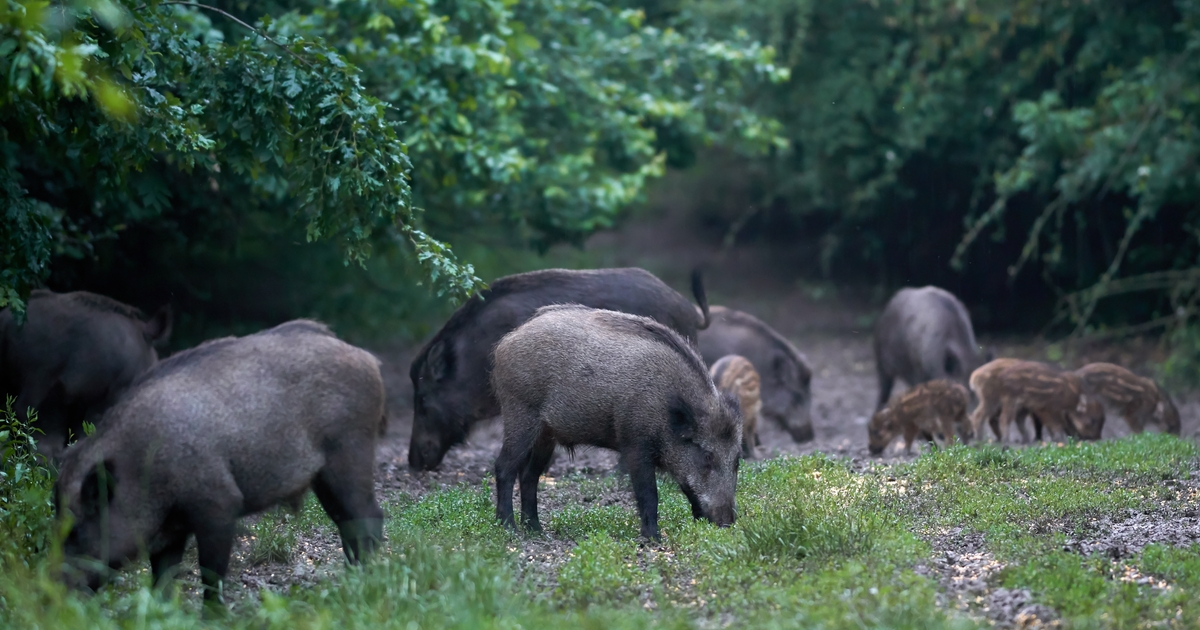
(363, 161)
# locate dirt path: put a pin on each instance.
(830, 325)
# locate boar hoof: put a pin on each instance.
(651, 536)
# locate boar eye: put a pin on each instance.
(710, 460)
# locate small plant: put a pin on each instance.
(26, 489)
(273, 538)
(601, 570)
(806, 533)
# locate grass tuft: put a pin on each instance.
(602, 570)
(273, 538)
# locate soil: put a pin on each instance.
(832, 327)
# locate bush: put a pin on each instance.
(26, 490)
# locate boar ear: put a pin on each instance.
(437, 362)
(681, 420)
(98, 488)
(728, 431)
(157, 331)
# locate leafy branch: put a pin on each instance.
(232, 18)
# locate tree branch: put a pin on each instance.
(234, 18)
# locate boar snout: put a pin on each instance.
(798, 424)
(423, 458)
(723, 515)
(425, 451)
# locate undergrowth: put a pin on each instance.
(817, 544)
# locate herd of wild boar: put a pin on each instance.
(612, 358)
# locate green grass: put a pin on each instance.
(1027, 502)
(817, 544)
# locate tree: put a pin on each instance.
(293, 123)
(925, 134)
(543, 119)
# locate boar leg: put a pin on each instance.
(984, 415)
(1008, 417)
(645, 493)
(1019, 420)
(886, 382)
(214, 543)
(910, 434)
(521, 429)
(346, 489)
(539, 460)
(163, 563)
(1061, 429)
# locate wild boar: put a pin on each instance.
(786, 377)
(924, 334)
(931, 408)
(228, 428)
(73, 356)
(1139, 400)
(1009, 389)
(450, 375)
(735, 375)
(574, 375)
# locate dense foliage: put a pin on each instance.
(179, 110)
(26, 503)
(1016, 151)
(143, 136)
(1036, 157)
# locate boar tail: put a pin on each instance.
(701, 297)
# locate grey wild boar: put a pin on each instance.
(924, 334)
(1011, 389)
(73, 356)
(931, 408)
(1139, 400)
(734, 375)
(228, 428)
(451, 391)
(573, 375)
(786, 378)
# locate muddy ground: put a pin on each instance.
(832, 328)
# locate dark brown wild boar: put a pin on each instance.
(228, 428)
(72, 358)
(786, 378)
(931, 408)
(735, 375)
(923, 335)
(450, 375)
(573, 375)
(1139, 400)
(1010, 389)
